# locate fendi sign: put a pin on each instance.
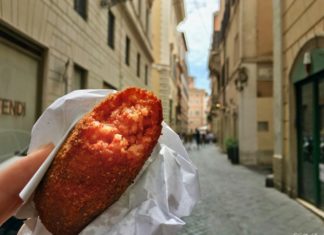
(12, 107)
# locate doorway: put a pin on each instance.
(20, 92)
(310, 133)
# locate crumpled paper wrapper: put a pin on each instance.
(165, 190)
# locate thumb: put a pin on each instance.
(15, 176)
(22, 169)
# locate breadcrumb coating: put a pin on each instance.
(99, 160)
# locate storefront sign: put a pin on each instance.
(12, 107)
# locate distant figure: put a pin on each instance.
(187, 141)
(183, 137)
(180, 136)
(203, 139)
(190, 137)
(210, 137)
(197, 138)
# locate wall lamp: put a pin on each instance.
(220, 107)
(307, 61)
(242, 79)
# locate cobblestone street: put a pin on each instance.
(235, 201)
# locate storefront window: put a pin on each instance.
(18, 94)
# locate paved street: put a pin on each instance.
(235, 201)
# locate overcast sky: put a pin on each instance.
(198, 30)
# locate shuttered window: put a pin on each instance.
(127, 50)
(111, 30)
(138, 70)
(146, 75)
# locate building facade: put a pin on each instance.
(167, 14)
(182, 119)
(197, 107)
(298, 160)
(242, 76)
(214, 77)
(49, 48)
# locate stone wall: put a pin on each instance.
(64, 34)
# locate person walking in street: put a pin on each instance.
(210, 138)
(203, 139)
(190, 140)
(197, 138)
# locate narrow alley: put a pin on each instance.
(235, 201)
(248, 75)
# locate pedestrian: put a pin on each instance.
(203, 139)
(19, 172)
(189, 140)
(184, 138)
(197, 138)
(210, 137)
(180, 136)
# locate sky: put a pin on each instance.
(198, 27)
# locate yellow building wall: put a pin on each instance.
(165, 38)
(264, 114)
(302, 21)
(264, 28)
(249, 28)
(248, 45)
(232, 43)
(196, 109)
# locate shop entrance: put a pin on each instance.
(310, 131)
(19, 93)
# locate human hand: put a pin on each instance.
(14, 178)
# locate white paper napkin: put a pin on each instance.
(166, 189)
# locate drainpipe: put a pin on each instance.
(67, 74)
(120, 62)
(277, 90)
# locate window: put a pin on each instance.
(111, 29)
(264, 89)
(81, 7)
(79, 78)
(138, 70)
(127, 49)
(263, 126)
(146, 74)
